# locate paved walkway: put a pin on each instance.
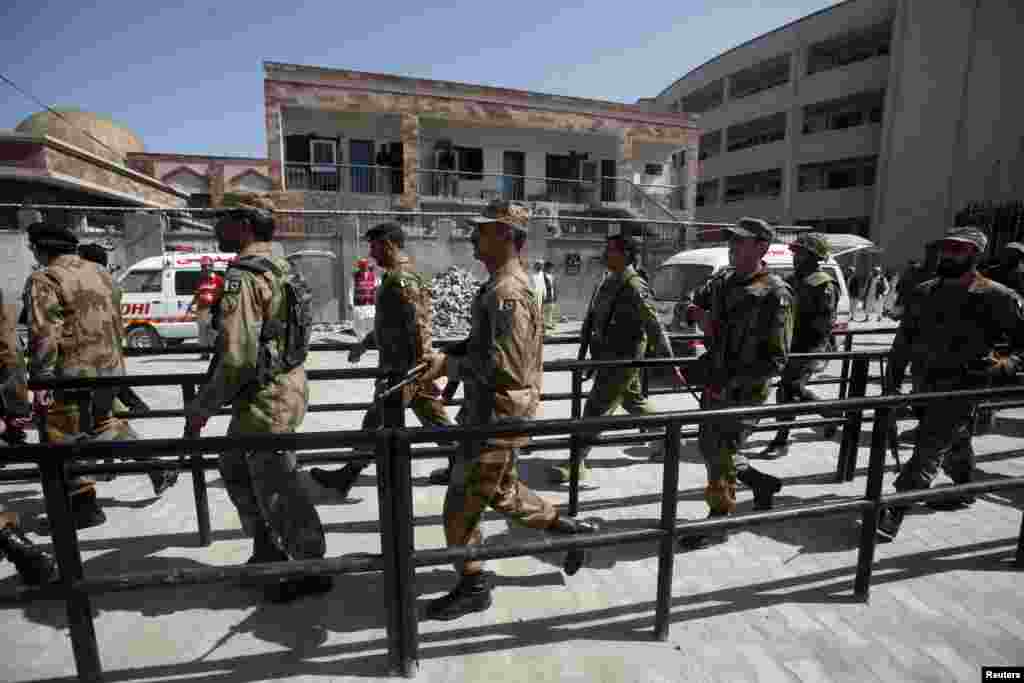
(773, 604)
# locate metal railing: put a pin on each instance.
(398, 557)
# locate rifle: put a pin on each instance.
(410, 377)
(458, 348)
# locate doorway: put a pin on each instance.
(513, 185)
(361, 153)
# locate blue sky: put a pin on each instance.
(187, 77)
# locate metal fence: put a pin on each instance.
(398, 557)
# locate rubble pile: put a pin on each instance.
(452, 295)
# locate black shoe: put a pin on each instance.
(293, 589)
(340, 480)
(204, 356)
(705, 539)
(889, 522)
(86, 511)
(764, 486)
(440, 476)
(830, 431)
(776, 448)
(163, 480)
(471, 594)
(908, 435)
(264, 550)
(955, 503)
(34, 565)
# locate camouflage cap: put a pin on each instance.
(384, 231)
(51, 236)
(968, 235)
(752, 227)
(815, 243)
(503, 211)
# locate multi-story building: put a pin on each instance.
(341, 139)
(871, 116)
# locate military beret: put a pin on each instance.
(815, 243)
(385, 231)
(753, 227)
(503, 211)
(967, 235)
(51, 235)
(93, 252)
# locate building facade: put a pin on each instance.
(871, 116)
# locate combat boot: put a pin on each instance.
(704, 539)
(86, 511)
(341, 480)
(163, 480)
(763, 485)
(471, 594)
(440, 476)
(293, 589)
(956, 502)
(34, 565)
(889, 522)
(571, 525)
(776, 448)
(264, 549)
(720, 496)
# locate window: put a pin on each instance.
(837, 175)
(768, 74)
(849, 48)
(185, 282)
(323, 152)
(653, 169)
(760, 185)
(860, 225)
(707, 98)
(142, 282)
(846, 112)
(707, 193)
(710, 145)
(757, 132)
(471, 162)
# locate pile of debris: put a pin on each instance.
(452, 295)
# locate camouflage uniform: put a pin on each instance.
(816, 296)
(261, 484)
(402, 335)
(501, 374)
(75, 331)
(750, 326)
(13, 382)
(619, 326)
(948, 334)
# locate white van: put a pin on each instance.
(675, 281)
(156, 293)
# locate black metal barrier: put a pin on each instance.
(398, 558)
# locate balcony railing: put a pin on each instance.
(348, 178)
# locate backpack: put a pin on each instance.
(295, 332)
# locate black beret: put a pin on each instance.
(51, 236)
(386, 231)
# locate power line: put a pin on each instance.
(53, 111)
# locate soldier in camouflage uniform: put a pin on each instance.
(33, 564)
(746, 313)
(620, 325)
(949, 334)
(263, 485)
(402, 336)
(501, 371)
(816, 295)
(74, 331)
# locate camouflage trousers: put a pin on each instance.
(793, 389)
(426, 404)
(943, 441)
(490, 480)
(613, 388)
(720, 440)
(265, 489)
(63, 422)
(550, 316)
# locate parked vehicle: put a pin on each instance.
(675, 281)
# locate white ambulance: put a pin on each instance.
(675, 280)
(156, 294)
